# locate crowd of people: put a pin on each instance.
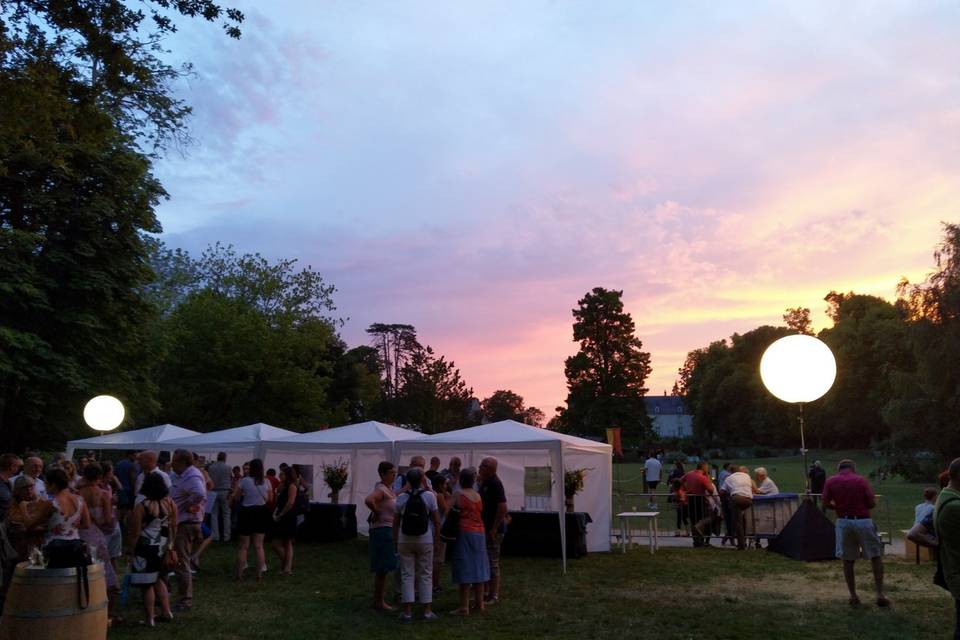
(708, 496)
(150, 517)
(424, 517)
(156, 515)
(147, 517)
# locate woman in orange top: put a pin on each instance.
(471, 568)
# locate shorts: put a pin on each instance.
(253, 520)
(652, 485)
(856, 535)
(493, 553)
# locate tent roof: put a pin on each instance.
(250, 434)
(511, 432)
(136, 439)
(362, 433)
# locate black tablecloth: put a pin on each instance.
(325, 522)
(536, 533)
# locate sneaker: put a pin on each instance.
(263, 569)
(430, 616)
(491, 598)
(181, 607)
(405, 618)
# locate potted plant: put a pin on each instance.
(572, 485)
(335, 475)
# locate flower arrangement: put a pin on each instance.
(573, 481)
(335, 475)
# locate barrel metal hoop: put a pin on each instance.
(23, 569)
(54, 613)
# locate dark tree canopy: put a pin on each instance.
(799, 320)
(869, 341)
(605, 379)
(926, 400)
(249, 340)
(432, 396)
(86, 106)
(507, 405)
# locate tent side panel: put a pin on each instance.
(595, 498)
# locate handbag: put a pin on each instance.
(67, 554)
(71, 554)
(450, 529)
(169, 560)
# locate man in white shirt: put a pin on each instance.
(33, 467)
(652, 470)
(739, 489)
(765, 485)
(148, 464)
(416, 462)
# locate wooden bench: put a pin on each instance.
(913, 551)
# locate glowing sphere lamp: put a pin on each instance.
(103, 413)
(798, 369)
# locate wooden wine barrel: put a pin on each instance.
(44, 604)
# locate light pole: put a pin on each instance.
(103, 413)
(798, 369)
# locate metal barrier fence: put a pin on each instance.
(764, 520)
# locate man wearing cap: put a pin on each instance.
(852, 497)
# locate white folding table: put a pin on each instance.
(653, 527)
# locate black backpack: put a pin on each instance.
(415, 520)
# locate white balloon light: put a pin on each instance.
(798, 368)
(103, 413)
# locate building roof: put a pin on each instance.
(666, 405)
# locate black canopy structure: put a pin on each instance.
(809, 535)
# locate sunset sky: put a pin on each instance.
(474, 168)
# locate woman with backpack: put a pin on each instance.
(416, 531)
(471, 567)
(253, 493)
(285, 518)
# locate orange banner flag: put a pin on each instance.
(613, 439)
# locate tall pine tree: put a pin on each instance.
(605, 379)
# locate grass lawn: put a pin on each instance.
(894, 511)
(676, 594)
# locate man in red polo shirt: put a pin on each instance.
(851, 496)
(698, 486)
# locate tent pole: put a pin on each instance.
(558, 492)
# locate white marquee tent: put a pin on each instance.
(136, 440)
(363, 446)
(518, 446)
(241, 444)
